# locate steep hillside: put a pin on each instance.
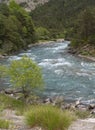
(28, 4)
(59, 14)
(17, 30)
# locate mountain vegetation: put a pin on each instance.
(72, 19)
(60, 14)
(16, 28)
(83, 41)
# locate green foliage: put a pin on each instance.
(4, 9)
(86, 24)
(42, 33)
(49, 117)
(24, 74)
(91, 39)
(4, 124)
(16, 28)
(60, 15)
(2, 71)
(84, 30)
(14, 6)
(12, 103)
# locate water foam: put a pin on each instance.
(55, 62)
(14, 58)
(59, 72)
(58, 48)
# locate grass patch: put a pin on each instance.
(9, 102)
(4, 124)
(82, 114)
(49, 117)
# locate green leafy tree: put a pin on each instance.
(42, 33)
(87, 24)
(24, 74)
(28, 29)
(4, 9)
(16, 28)
(84, 29)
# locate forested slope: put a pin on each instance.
(16, 28)
(60, 15)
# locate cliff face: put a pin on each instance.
(28, 4)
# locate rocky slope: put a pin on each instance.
(28, 4)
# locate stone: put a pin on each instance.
(60, 40)
(77, 102)
(93, 111)
(65, 106)
(1, 56)
(91, 106)
(82, 107)
(48, 101)
(59, 100)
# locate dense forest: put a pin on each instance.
(72, 19)
(16, 28)
(69, 19)
(60, 15)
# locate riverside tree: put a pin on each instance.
(24, 74)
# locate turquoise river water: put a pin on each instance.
(64, 74)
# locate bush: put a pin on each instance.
(4, 124)
(42, 33)
(24, 74)
(49, 117)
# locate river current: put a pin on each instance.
(64, 74)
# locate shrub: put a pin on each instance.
(42, 33)
(4, 124)
(49, 117)
(24, 74)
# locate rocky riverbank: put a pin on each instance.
(3, 56)
(58, 101)
(74, 106)
(86, 52)
(17, 119)
(46, 42)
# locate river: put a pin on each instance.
(64, 74)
